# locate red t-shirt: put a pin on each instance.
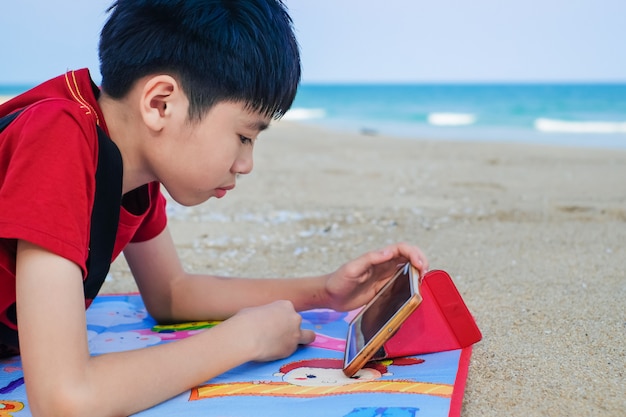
(48, 159)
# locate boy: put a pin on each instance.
(186, 88)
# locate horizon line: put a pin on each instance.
(463, 82)
(27, 84)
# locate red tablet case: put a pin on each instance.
(441, 322)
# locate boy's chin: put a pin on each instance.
(190, 200)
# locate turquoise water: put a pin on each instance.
(577, 114)
(13, 89)
(564, 114)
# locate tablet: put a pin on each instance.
(381, 318)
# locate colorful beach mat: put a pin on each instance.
(309, 383)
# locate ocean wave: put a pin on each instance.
(300, 113)
(565, 126)
(451, 119)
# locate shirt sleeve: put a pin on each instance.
(47, 178)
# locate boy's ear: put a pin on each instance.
(161, 100)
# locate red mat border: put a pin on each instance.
(456, 402)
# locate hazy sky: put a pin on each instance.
(368, 40)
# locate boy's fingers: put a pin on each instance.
(414, 255)
(307, 336)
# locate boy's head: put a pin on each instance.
(219, 50)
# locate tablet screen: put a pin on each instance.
(373, 318)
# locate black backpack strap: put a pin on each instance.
(106, 210)
(105, 215)
(4, 121)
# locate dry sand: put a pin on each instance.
(532, 235)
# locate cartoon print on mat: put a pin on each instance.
(324, 377)
(322, 316)
(329, 327)
(108, 342)
(115, 313)
(383, 412)
(115, 326)
(12, 385)
(119, 341)
(9, 408)
(181, 328)
(328, 372)
(11, 367)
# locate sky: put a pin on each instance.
(368, 41)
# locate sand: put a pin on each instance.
(532, 235)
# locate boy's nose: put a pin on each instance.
(244, 164)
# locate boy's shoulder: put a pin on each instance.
(56, 122)
(72, 93)
(51, 126)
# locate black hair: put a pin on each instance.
(219, 50)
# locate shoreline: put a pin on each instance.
(580, 137)
(480, 134)
(532, 236)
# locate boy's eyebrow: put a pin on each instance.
(259, 125)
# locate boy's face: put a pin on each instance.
(202, 159)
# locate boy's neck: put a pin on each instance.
(126, 130)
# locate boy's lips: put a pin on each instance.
(221, 192)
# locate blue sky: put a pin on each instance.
(369, 40)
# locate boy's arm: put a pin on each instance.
(171, 294)
(61, 377)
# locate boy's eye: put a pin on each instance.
(245, 140)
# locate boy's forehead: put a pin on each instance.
(244, 116)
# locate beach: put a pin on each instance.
(533, 237)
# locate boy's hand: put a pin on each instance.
(356, 282)
(273, 330)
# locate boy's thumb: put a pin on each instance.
(306, 336)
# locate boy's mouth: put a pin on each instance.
(221, 192)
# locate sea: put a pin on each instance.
(587, 115)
